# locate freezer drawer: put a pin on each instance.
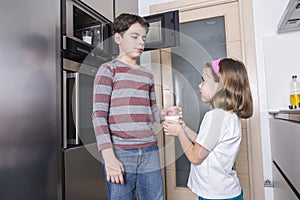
(83, 174)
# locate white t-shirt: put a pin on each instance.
(220, 133)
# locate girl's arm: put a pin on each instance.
(189, 132)
(193, 151)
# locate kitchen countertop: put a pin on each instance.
(292, 115)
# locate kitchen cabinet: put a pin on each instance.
(128, 6)
(285, 137)
(104, 7)
(282, 189)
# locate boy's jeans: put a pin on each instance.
(142, 174)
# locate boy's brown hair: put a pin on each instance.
(125, 20)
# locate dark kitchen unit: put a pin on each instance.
(83, 50)
(86, 43)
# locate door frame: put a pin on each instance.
(249, 58)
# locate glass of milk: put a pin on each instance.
(87, 36)
(172, 116)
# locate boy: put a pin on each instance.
(124, 111)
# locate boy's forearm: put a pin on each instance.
(156, 114)
(101, 130)
(108, 153)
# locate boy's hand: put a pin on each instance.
(114, 171)
(172, 128)
(113, 167)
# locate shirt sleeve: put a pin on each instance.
(210, 129)
(156, 111)
(101, 100)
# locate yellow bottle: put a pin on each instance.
(295, 99)
(294, 91)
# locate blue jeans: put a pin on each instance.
(240, 197)
(142, 175)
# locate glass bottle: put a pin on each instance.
(294, 91)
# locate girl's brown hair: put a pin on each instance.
(235, 94)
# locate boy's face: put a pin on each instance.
(132, 42)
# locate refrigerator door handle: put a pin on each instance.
(70, 139)
(65, 108)
(77, 111)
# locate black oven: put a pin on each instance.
(84, 48)
(83, 174)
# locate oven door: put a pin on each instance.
(78, 102)
(83, 176)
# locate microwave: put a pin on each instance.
(82, 22)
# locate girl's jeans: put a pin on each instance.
(142, 174)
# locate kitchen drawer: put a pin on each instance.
(282, 191)
(285, 140)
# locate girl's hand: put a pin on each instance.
(172, 128)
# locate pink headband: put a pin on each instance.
(215, 66)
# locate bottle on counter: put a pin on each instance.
(295, 92)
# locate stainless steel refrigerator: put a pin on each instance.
(30, 158)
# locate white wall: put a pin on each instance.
(276, 61)
(145, 4)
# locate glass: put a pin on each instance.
(172, 116)
(87, 36)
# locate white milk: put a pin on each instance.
(87, 39)
(172, 118)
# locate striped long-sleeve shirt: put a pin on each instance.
(124, 106)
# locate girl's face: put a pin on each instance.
(132, 41)
(209, 86)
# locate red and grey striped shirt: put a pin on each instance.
(124, 106)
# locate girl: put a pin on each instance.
(213, 151)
